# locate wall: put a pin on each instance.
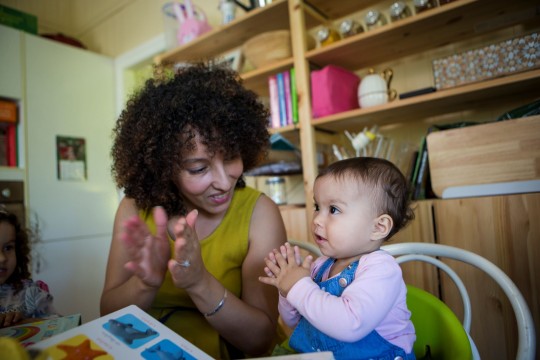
(109, 27)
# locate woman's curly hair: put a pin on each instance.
(161, 121)
(22, 250)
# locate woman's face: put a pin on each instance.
(8, 255)
(207, 182)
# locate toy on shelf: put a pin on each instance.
(191, 24)
(367, 143)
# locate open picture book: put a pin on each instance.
(131, 333)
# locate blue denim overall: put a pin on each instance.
(306, 338)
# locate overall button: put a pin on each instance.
(398, 358)
(343, 282)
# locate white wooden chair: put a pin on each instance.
(430, 253)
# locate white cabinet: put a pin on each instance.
(70, 92)
(11, 87)
(10, 63)
(63, 91)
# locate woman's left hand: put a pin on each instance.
(186, 265)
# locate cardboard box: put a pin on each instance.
(8, 111)
(495, 158)
(518, 54)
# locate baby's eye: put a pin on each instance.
(316, 207)
(334, 210)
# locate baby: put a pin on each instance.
(351, 300)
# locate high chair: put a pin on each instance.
(440, 334)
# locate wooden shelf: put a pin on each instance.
(257, 80)
(525, 86)
(12, 173)
(227, 37)
(284, 129)
(340, 8)
(431, 29)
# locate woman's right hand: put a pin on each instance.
(148, 253)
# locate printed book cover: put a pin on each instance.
(129, 333)
(281, 97)
(288, 98)
(31, 333)
(274, 102)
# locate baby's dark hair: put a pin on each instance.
(22, 250)
(391, 189)
(160, 124)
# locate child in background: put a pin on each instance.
(21, 299)
(351, 300)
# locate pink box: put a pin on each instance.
(334, 90)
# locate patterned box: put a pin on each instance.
(511, 56)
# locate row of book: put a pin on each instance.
(283, 99)
(8, 133)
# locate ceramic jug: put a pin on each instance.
(374, 89)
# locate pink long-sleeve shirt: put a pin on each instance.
(375, 300)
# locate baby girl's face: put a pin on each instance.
(8, 258)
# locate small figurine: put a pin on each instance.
(189, 26)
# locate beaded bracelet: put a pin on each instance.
(218, 307)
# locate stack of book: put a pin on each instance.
(8, 133)
(283, 99)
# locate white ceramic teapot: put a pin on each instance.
(374, 89)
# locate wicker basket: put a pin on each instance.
(267, 47)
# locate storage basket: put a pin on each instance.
(267, 47)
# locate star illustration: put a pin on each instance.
(81, 351)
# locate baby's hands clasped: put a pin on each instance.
(284, 268)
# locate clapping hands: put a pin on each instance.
(285, 267)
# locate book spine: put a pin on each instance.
(274, 102)
(288, 97)
(294, 97)
(282, 102)
(11, 144)
(419, 189)
(3, 147)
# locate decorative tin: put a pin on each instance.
(511, 56)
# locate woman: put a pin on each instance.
(189, 237)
